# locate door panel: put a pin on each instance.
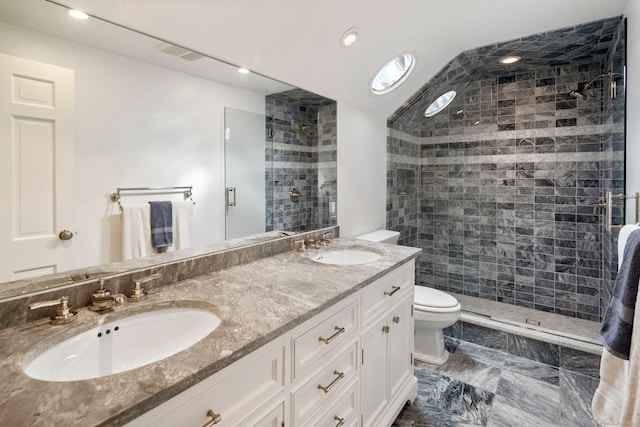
(373, 375)
(36, 167)
(244, 153)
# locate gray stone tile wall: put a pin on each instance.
(506, 183)
(304, 160)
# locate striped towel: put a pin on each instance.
(617, 325)
(161, 224)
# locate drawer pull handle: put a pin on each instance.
(396, 319)
(215, 418)
(339, 420)
(331, 384)
(395, 289)
(338, 329)
(385, 329)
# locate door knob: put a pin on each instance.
(65, 235)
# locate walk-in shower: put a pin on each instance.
(504, 194)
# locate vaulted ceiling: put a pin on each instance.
(298, 41)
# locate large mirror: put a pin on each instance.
(139, 112)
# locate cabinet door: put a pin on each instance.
(373, 375)
(400, 345)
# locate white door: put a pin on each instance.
(244, 162)
(36, 168)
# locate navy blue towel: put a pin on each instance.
(618, 321)
(161, 224)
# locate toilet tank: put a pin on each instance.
(381, 236)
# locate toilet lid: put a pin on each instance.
(429, 297)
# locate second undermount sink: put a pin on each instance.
(346, 256)
(122, 345)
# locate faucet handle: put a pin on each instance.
(138, 293)
(326, 239)
(300, 245)
(63, 312)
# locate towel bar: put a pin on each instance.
(187, 192)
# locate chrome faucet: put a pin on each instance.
(63, 312)
(103, 299)
(138, 293)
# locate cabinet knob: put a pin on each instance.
(385, 329)
(215, 418)
(339, 420)
(396, 319)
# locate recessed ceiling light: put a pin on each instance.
(77, 14)
(242, 70)
(509, 59)
(350, 37)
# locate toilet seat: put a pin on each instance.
(435, 301)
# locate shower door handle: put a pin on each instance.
(229, 192)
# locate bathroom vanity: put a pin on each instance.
(300, 343)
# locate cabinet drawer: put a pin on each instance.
(387, 289)
(343, 412)
(323, 337)
(272, 418)
(325, 384)
(231, 393)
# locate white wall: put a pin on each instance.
(137, 125)
(362, 170)
(633, 102)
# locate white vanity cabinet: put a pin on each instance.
(386, 375)
(249, 392)
(350, 365)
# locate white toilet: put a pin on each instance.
(433, 310)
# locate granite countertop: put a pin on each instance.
(257, 302)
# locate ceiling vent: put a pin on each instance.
(178, 51)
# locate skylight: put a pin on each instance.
(440, 103)
(392, 74)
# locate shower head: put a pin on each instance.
(578, 94)
(582, 93)
(302, 128)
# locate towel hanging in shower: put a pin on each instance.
(616, 401)
(618, 322)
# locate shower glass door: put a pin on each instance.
(245, 168)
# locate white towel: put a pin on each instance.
(136, 231)
(617, 398)
(182, 225)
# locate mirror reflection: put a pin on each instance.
(126, 110)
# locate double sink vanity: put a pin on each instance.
(269, 337)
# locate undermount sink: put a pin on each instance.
(347, 256)
(122, 345)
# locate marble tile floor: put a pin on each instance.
(480, 386)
